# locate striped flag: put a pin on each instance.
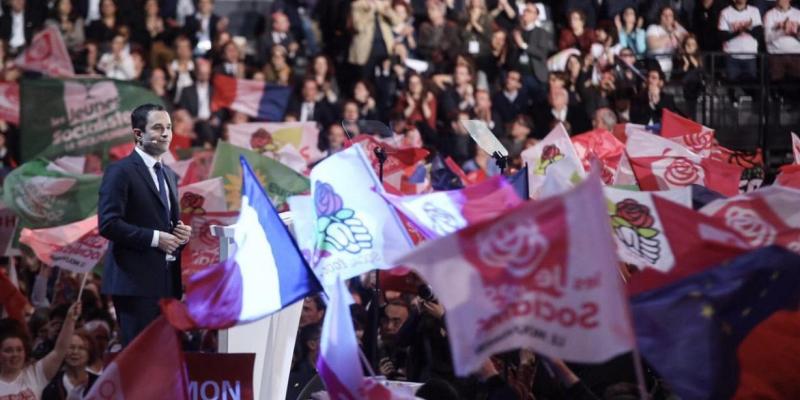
(253, 98)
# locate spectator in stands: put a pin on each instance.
(626, 73)
(535, 43)
(75, 380)
(460, 96)
(519, 131)
(181, 69)
(20, 378)
(87, 63)
(511, 101)
(196, 99)
(18, 24)
(313, 311)
(646, 109)
(373, 39)
(504, 15)
(495, 61)
(740, 31)
(689, 69)
(322, 72)
(201, 28)
(231, 63)
(477, 31)
(154, 34)
(557, 111)
(578, 35)
(704, 23)
(783, 44)
(664, 39)
(279, 34)
(485, 112)
(605, 119)
(69, 23)
(118, 63)
(364, 99)
(417, 103)
(337, 138)
(304, 361)
(577, 77)
(393, 357)
(630, 32)
(604, 49)
(439, 40)
(403, 26)
(277, 70)
(104, 29)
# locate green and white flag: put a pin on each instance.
(77, 116)
(279, 180)
(45, 195)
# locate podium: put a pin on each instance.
(272, 339)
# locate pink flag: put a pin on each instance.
(601, 145)
(47, 54)
(661, 164)
(292, 143)
(526, 280)
(338, 363)
(796, 148)
(45, 241)
(441, 213)
(400, 163)
(83, 254)
(555, 149)
(151, 367)
(789, 176)
(764, 217)
(9, 102)
(204, 196)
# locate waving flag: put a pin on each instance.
(45, 241)
(164, 377)
(796, 148)
(265, 274)
(525, 280)
(47, 54)
(253, 98)
(661, 164)
(767, 216)
(789, 176)
(556, 148)
(601, 145)
(202, 197)
(692, 332)
(441, 213)
(9, 102)
(12, 301)
(338, 363)
(400, 166)
(292, 143)
(356, 230)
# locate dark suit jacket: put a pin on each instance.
(324, 114)
(190, 101)
(642, 113)
(576, 117)
(32, 24)
(192, 25)
(540, 43)
(129, 210)
(508, 110)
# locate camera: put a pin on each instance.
(426, 293)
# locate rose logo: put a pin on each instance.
(337, 227)
(550, 155)
(40, 50)
(682, 172)
(699, 141)
(261, 141)
(633, 226)
(443, 222)
(519, 247)
(747, 222)
(192, 203)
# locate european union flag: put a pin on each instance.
(690, 331)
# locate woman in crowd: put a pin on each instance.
(277, 70)
(689, 69)
(104, 29)
(70, 24)
(664, 39)
(74, 380)
(630, 32)
(18, 375)
(322, 72)
(578, 35)
(417, 103)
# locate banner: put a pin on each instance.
(44, 197)
(220, 376)
(279, 180)
(82, 255)
(77, 116)
(203, 248)
(292, 143)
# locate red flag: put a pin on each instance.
(47, 54)
(673, 125)
(13, 301)
(151, 367)
(9, 102)
(603, 146)
(789, 176)
(203, 248)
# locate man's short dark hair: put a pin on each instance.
(140, 114)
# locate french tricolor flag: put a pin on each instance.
(265, 274)
(256, 99)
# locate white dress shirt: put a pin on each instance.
(93, 14)
(307, 111)
(17, 30)
(149, 161)
(203, 106)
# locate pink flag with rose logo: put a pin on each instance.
(764, 217)
(47, 54)
(661, 164)
(555, 149)
(601, 145)
(526, 280)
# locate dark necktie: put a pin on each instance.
(162, 186)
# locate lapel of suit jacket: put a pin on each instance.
(144, 173)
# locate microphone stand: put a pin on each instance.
(380, 154)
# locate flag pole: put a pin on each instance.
(637, 365)
(83, 285)
(380, 154)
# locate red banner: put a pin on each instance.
(203, 248)
(220, 376)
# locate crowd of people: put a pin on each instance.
(418, 65)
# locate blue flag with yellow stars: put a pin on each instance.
(690, 331)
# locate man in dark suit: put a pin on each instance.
(511, 101)
(558, 110)
(310, 108)
(138, 213)
(196, 99)
(201, 28)
(279, 34)
(29, 17)
(647, 107)
(535, 42)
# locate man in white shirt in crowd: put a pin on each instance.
(118, 63)
(740, 32)
(783, 41)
